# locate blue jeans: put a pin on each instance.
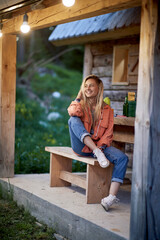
(118, 158)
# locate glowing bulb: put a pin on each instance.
(1, 25)
(68, 3)
(25, 28)
(1, 34)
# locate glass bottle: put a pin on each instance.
(125, 107)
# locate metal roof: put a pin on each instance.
(98, 24)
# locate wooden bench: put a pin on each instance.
(97, 181)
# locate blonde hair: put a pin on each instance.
(99, 98)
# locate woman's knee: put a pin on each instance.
(72, 120)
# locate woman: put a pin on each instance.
(91, 132)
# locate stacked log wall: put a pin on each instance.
(102, 66)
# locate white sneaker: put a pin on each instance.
(103, 161)
(107, 202)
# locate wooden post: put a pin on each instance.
(145, 201)
(7, 104)
(88, 61)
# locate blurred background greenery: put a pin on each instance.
(48, 79)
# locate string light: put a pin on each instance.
(1, 25)
(68, 3)
(25, 28)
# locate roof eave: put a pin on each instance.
(108, 35)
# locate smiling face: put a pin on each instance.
(91, 88)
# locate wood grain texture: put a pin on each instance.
(145, 201)
(126, 121)
(102, 60)
(98, 183)
(73, 178)
(120, 64)
(124, 136)
(88, 61)
(7, 104)
(58, 13)
(102, 71)
(57, 164)
(68, 152)
(106, 47)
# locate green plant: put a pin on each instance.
(33, 130)
(65, 81)
(18, 224)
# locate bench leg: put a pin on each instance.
(57, 164)
(98, 183)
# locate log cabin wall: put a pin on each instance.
(102, 66)
(98, 60)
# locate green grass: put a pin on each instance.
(17, 224)
(31, 136)
(65, 81)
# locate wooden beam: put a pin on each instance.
(145, 201)
(7, 104)
(125, 121)
(123, 134)
(58, 13)
(73, 178)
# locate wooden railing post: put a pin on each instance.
(88, 61)
(145, 200)
(7, 104)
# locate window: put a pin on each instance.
(120, 65)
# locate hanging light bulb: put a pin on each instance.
(68, 3)
(25, 28)
(1, 34)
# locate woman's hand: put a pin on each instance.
(80, 95)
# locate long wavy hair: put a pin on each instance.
(99, 98)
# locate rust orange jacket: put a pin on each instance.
(103, 130)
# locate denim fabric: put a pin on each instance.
(77, 133)
(118, 158)
(120, 161)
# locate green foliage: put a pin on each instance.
(29, 144)
(34, 131)
(18, 224)
(59, 79)
(74, 59)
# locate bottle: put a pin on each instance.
(125, 107)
